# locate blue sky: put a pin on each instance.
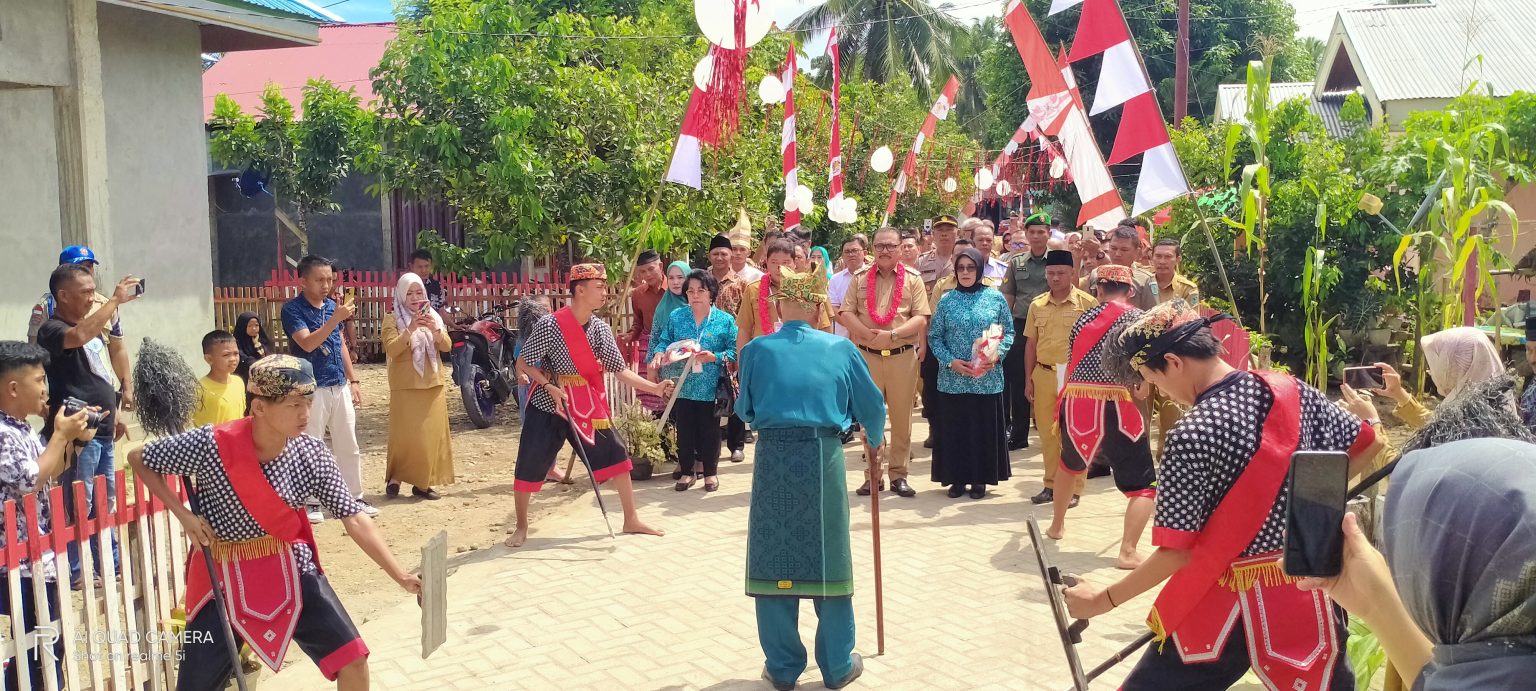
(1314, 16)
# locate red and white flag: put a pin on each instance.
(1058, 113)
(1123, 82)
(787, 144)
(940, 111)
(687, 155)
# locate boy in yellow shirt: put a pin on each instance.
(221, 394)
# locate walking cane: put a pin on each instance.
(218, 590)
(876, 475)
(581, 451)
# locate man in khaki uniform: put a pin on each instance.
(1048, 329)
(1124, 248)
(889, 345)
(938, 262)
(1166, 255)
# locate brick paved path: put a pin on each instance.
(571, 609)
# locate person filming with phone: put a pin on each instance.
(78, 370)
(1450, 612)
(28, 465)
(1220, 515)
(420, 452)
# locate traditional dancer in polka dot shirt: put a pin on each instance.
(253, 476)
(1099, 418)
(1228, 605)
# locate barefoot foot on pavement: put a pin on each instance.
(635, 527)
(1055, 532)
(1129, 562)
(518, 537)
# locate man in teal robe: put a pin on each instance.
(800, 388)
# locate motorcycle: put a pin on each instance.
(483, 365)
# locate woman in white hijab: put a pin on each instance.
(420, 452)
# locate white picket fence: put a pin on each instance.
(124, 633)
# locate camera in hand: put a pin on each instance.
(72, 407)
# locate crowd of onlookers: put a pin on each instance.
(1454, 595)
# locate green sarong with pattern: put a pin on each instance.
(797, 531)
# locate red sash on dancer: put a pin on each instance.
(586, 401)
(260, 577)
(1202, 602)
(1084, 402)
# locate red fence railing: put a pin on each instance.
(475, 294)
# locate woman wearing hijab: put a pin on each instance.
(673, 297)
(254, 344)
(698, 428)
(420, 452)
(970, 446)
(1454, 601)
(1458, 360)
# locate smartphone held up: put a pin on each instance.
(1370, 377)
(1314, 516)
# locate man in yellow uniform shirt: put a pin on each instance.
(1166, 256)
(1048, 328)
(886, 327)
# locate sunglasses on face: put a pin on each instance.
(966, 268)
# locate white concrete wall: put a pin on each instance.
(29, 204)
(31, 43)
(157, 164)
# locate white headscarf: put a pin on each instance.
(423, 343)
(1460, 357)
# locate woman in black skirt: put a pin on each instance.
(971, 446)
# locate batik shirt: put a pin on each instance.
(717, 335)
(305, 468)
(20, 448)
(545, 349)
(1207, 451)
(959, 320)
(1091, 369)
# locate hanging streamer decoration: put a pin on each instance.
(836, 210)
(940, 111)
(713, 114)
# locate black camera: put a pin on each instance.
(72, 406)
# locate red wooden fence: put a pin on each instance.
(121, 634)
(475, 294)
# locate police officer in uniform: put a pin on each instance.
(886, 327)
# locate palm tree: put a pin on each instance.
(969, 42)
(888, 39)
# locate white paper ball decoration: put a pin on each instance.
(950, 185)
(770, 90)
(803, 199)
(881, 160)
(983, 178)
(716, 21)
(1003, 188)
(1058, 167)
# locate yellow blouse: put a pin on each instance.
(397, 354)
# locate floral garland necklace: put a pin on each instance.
(762, 306)
(873, 304)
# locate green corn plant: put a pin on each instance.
(1253, 192)
(1318, 278)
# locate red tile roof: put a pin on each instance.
(345, 55)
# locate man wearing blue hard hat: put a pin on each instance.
(111, 340)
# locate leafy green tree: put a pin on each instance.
(304, 159)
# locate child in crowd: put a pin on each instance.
(221, 394)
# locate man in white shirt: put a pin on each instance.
(855, 251)
(741, 247)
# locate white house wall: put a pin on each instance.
(29, 204)
(31, 49)
(157, 157)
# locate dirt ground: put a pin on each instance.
(476, 510)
